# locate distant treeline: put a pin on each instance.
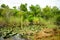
(24, 17)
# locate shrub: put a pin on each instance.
(58, 20)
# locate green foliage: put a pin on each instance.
(23, 7)
(33, 19)
(4, 6)
(58, 20)
(2, 22)
(1, 11)
(36, 20)
(55, 10)
(35, 9)
(47, 12)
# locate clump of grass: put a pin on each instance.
(15, 21)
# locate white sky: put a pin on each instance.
(42, 3)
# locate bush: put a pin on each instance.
(2, 22)
(58, 20)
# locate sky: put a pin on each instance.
(42, 3)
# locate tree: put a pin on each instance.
(35, 9)
(55, 10)
(46, 12)
(58, 20)
(23, 7)
(4, 6)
